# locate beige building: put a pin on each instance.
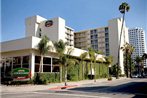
(105, 39)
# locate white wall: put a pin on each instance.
(19, 44)
(32, 25)
(54, 32)
(114, 39)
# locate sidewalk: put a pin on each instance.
(52, 86)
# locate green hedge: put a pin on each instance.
(46, 77)
(75, 71)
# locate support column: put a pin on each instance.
(32, 64)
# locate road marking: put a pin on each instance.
(85, 96)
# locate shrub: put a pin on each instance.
(45, 78)
(72, 73)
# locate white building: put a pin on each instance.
(105, 39)
(55, 29)
(137, 39)
(23, 53)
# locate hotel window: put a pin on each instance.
(91, 36)
(55, 65)
(106, 29)
(46, 64)
(17, 62)
(25, 62)
(37, 63)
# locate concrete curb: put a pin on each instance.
(63, 87)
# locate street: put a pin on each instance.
(132, 88)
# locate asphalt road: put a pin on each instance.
(134, 88)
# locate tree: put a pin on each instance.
(144, 56)
(91, 54)
(99, 60)
(109, 60)
(60, 47)
(123, 8)
(77, 63)
(138, 61)
(67, 61)
(128, 50)
(43, 48)
(82, 58)
(131, 49)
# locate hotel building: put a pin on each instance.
(55, 29)
(137, 39)
(105, 39)
(23, 53)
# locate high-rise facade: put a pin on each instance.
(137, 39)
(96, 38)
(105, 39)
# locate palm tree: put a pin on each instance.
(77, 63)
(109, 60)
(60, 47)
(128, 49)
(91, 54)
(66, 62)
(95, 59)
(43, 48)
(123, 8)
(138, 61)
(82, 58)
(144, 56)
(131, 49)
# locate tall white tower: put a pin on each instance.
(114, 41)
(137, 39)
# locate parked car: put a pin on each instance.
(136, 76)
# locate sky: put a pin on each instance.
(79, 14)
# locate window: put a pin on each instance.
(37, 63)
(46, 64)
(17, 62)
(25, 62)
(46, 60)
(55, 65)
(46, 68)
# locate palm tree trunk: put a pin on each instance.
(60, 72)
(82, 71)
(86, 69)
(41, 64)
(117, 76)
(99, 70)
(108, 72)
(127, 64)
(91, 69)
(94, 72)
(78, 71)
(65, 76)
(130, 61)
